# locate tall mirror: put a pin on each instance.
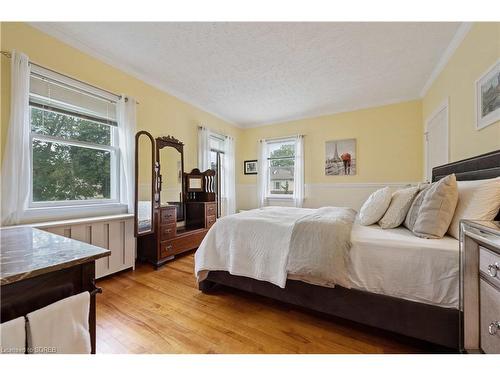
(171, 158)
(144, 183)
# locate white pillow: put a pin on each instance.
(477, 200)
(400, 204)
(437, 209)
(375, 206)
(412, 214)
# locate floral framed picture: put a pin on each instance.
(250, 166)
(488, 97)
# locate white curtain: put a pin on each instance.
(203, 148)
(262, 173)
(16, 182)
(126, 116)
(229, 176)
(298, 188)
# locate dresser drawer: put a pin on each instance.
(210, 209)
(210, 221)
(489, 265)
(168, 216)
(183, 243)
(490, 318)
(166, 249)
(168, 231)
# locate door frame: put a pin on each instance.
(443, 106)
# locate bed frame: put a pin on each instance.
(437, 325)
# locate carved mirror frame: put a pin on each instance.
(162, 142)
(153, 179)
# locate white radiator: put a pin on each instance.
(115, 233)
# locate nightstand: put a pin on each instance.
(480, 286)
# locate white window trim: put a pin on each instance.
(72, 212)
(77, 206)
(280, 196)
(115, 172)
(269, 196)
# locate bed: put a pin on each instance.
(395, 281)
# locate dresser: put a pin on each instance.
(200, 217)
(169, 239)
(172, 237)
(174, 210)
(480, 286)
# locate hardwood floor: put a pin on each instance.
(147, 311)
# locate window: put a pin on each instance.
(75, 157)
(281, 164)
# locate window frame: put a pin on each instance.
(284, 140)
(113, 149)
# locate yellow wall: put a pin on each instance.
(158, 112)
(479, 50)
(389, 147)
(389, 138)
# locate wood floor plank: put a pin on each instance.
(148, 311)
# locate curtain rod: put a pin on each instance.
(216, 134)
(9, 55)
(284, 137)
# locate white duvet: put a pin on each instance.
(273, 243)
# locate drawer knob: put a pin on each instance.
(169, 247)
(493, 328)
(493, 269)
(168, 230)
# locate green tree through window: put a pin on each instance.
(285, 151)
(69, 172)
(281, 167)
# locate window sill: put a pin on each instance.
(39, 214)
(280, 197)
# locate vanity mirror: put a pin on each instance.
(145, 183)
(173, 210)
(170, 156)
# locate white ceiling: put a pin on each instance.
(259, 73)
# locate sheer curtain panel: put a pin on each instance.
(298, 189)
(262, 173)
(203, 148)
(126, 118)
(230, 176)
(16, 182)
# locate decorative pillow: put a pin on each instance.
(438, 207)
(411, 216)
(477, 200)
(375, 206)
(400, 204)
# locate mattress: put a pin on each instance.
(396, 263)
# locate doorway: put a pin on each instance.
(436, 140)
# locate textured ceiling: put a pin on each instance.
(260, 73)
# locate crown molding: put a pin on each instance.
(74, 42)
(457, 39)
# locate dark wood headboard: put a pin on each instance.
(477, 168)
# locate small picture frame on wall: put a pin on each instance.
(340, 157)
(488, 97)
(250, 166)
